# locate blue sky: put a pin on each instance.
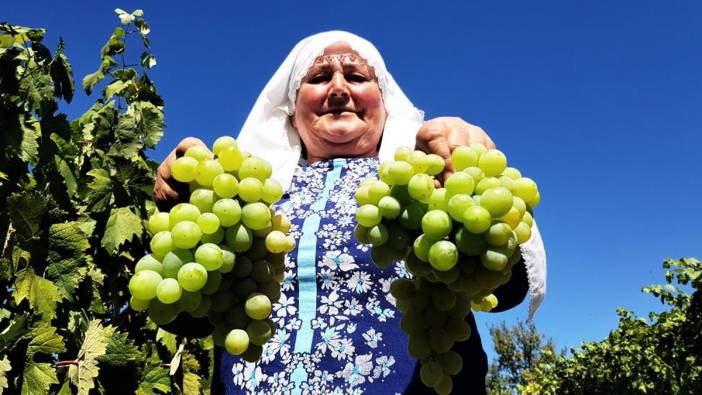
(599, 102)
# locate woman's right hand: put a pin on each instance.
(167, 190)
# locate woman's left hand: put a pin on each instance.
(443, 134)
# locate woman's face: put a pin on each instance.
(339, 110)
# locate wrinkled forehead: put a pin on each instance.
(349, 60)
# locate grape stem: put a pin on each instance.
(66, 363)
(10, 230)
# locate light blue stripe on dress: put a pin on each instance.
(307, 273)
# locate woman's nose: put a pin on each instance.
(338, 88)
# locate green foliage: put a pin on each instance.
(74, 194)
(519, 348)
(658, 355)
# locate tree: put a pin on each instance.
(519, 348)
(73, 195)
(658, 355)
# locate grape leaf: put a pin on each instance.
(94, 345)
(121, 351)
(127, 144)
(45, 340)
(191, 383)
(31, 131)
(154, 376)
(150, 123)
(37, 377)
(122, 225)
(4, 368)
(17, 327)
(167, 339)
(100, 194)
(62, 74)
(68, 178)
(67, 244)
(26, 210)
(41, 293)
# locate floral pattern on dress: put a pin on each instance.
(357, 346)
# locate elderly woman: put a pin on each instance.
(327, 117)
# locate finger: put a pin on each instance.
(187, 143)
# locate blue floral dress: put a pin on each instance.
(337, 325)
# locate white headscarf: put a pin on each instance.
(268, 133)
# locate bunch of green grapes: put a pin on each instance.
(459, 242)
(221, 255)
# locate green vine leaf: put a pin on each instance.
(121, 227)
(4, 368)
(45, 340)
(42, 294)
(121, 351)
(67, 246)
(26, 210)
(94, 346)
(37, 378)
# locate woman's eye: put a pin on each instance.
(356, 78)
(318, 79)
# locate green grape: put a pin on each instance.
(148, 262)
(189, 301)
(161, 313)
(443, 255)
(400, 193)
(493, 162)
(457, 206)
(445, 386)
(383, 256)
(400, 173)
(528, 219)
(162, 243)
(525, 188)
(378, 235)
(223, 142)
(416, 266)
(236, 342)
(463, 157)
(271, 289)
(225, 185)
(439, 341)
(506, 182)
(420, 187)
(438, 200)
(228, 211)
(209, 255)
(523, 231)
(239, 238)
(418, 346)
(421, 245)
(220, 332)
(477, 219)
(259, 332)
(476, 173)
(389, 207)
(491, 301)
(361, 234)
(470, 243)
(402, 288)
(245, 287)
(258, 306)
(412, 324)
(436, 224)
(434, 317)
(228, 259)
(143, 284)
(139, 304)
(498, 234)
(230, 158)
(243, 267)
(459, 310)
(419, 161)
(184, 169)
(272, 191)
(497, 201)
(398, 237)
(159, 222)
(383, 172)
(256, 168)
(534, 201)
(485, 184)
(207, 170)
(236, 317)
(252, 354)
(221, 301)
(512, 173)
(168, 291)
(459, 182)
(250, 189)
(204, 307)
(276, 242)
(403, 306)
(362, 195)
(208, 223)
(512, 217)
(192, 277)
(431, 373)
(186, 234)
(402, 153)
(215, 238)
(215, 317)
(183, 212)
(203, 199)
(193, 186)
(174, 260)
(451, 362)
(436, 164)
(443, 298)
(261, 272)
(448, 276)
(479, 149)
(411, 216)
(377, 190)
(458, 329)
(519, 204)
(368, 215)
(199, 152)
(255, 216)
(493, 260)
(281, 223)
